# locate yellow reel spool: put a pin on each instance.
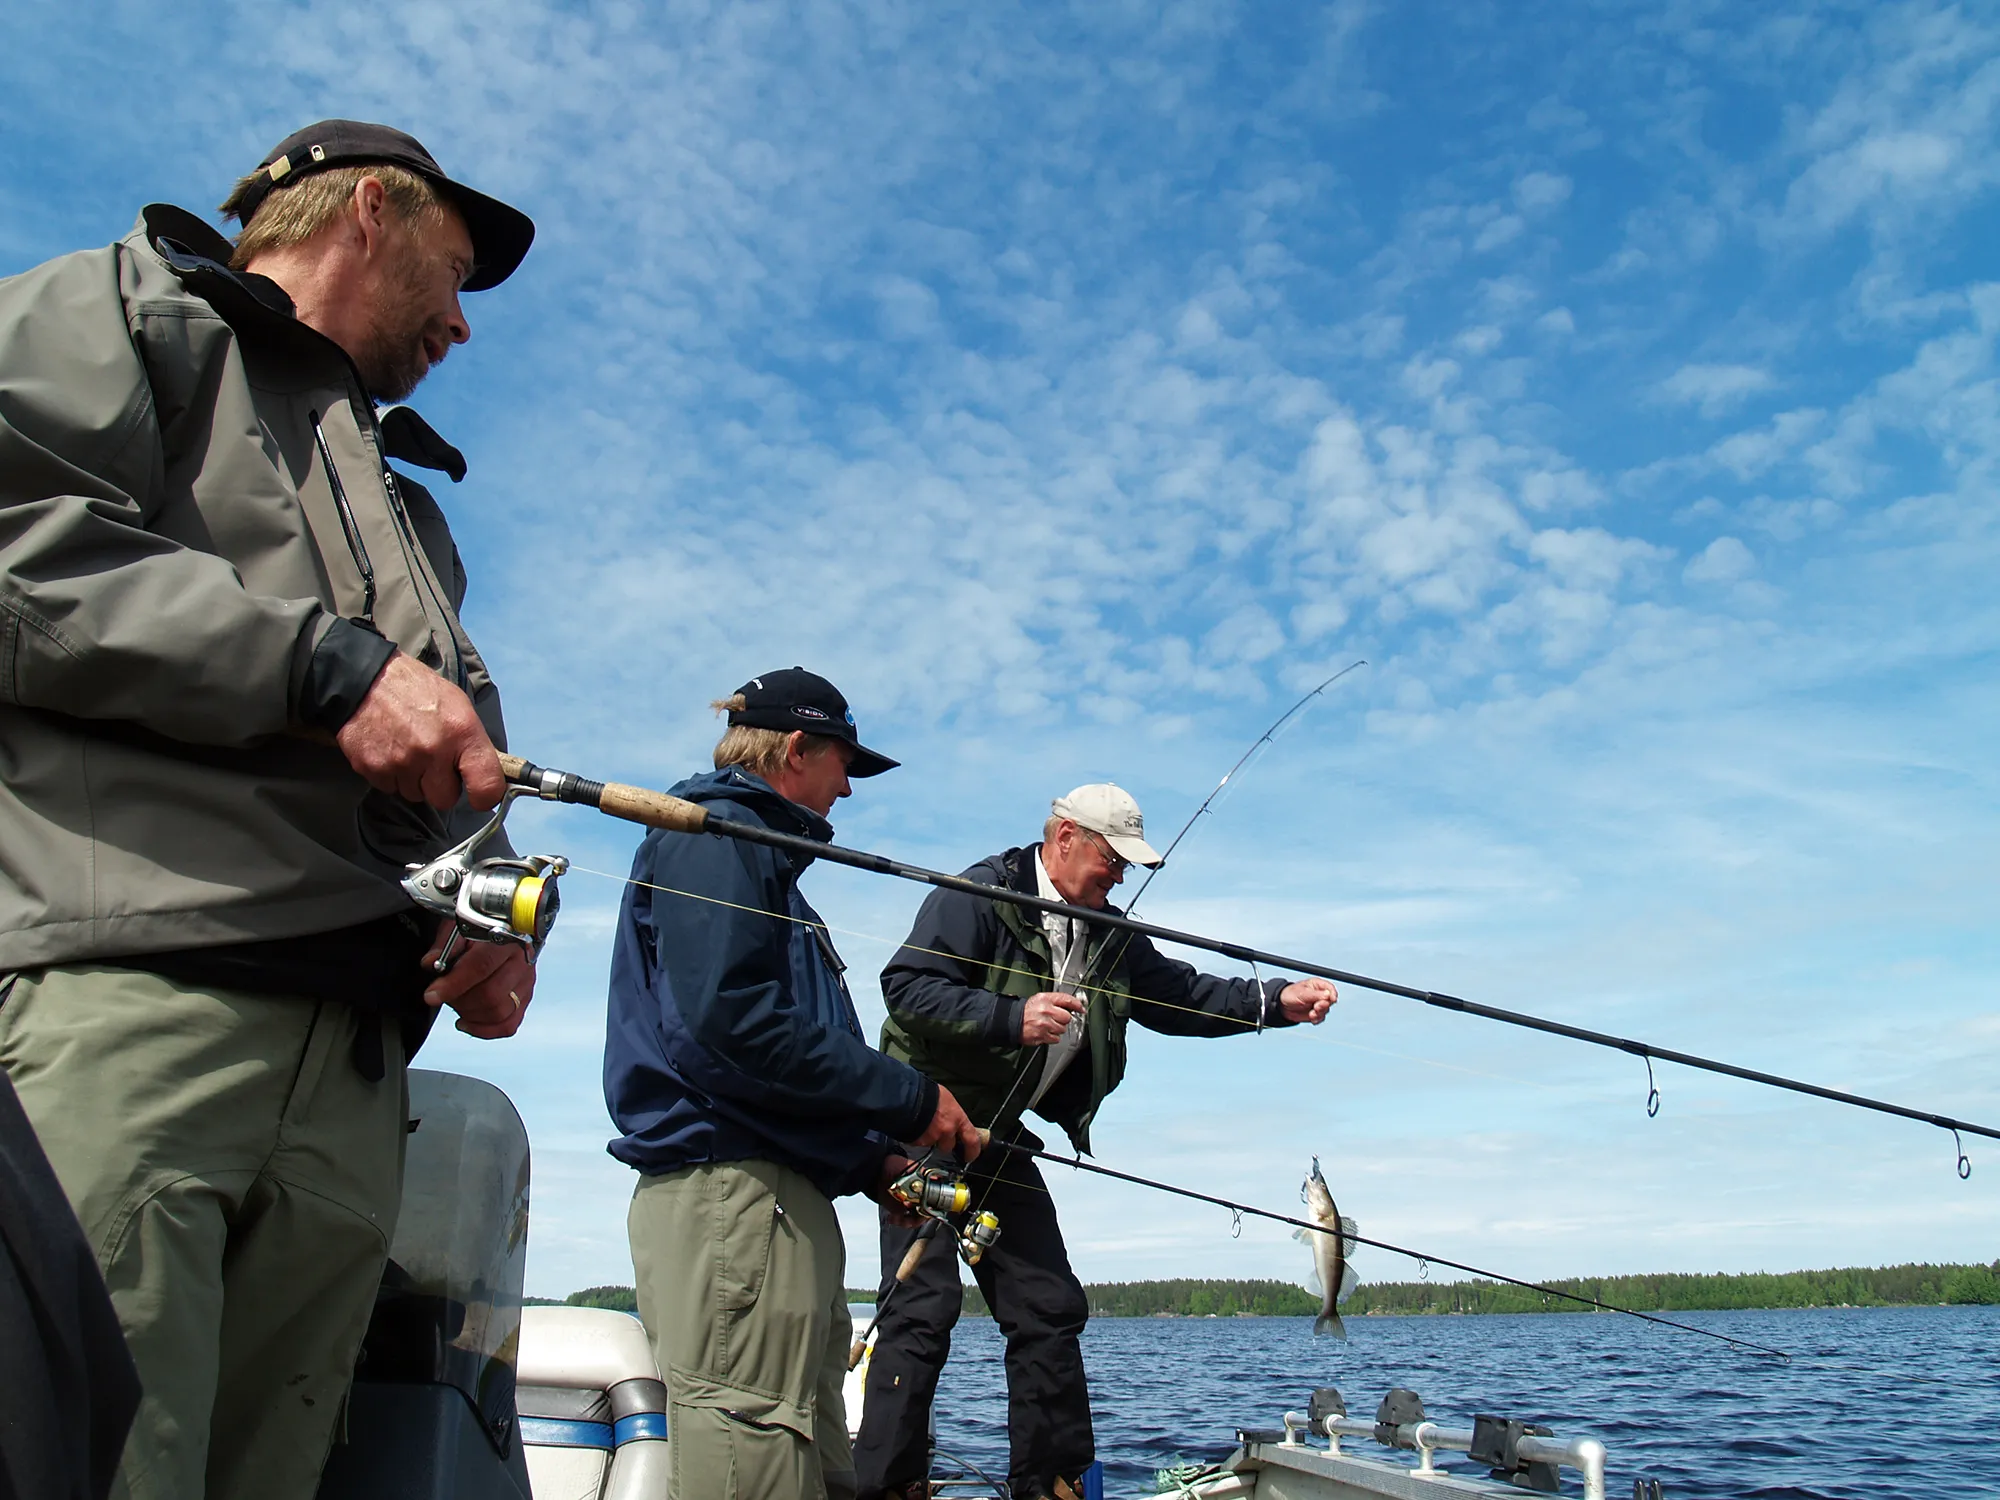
(525, 911)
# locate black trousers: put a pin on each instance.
(1040, 1307)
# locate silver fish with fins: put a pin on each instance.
(1332, 1251)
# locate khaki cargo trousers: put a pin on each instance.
(741, 1271)
(239, 1181)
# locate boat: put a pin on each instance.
(461, 1393)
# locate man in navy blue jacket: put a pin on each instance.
(748, 1099)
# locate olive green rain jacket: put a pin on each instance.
(204, 558)
(956, 989)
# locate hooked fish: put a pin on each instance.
(1333, 1272)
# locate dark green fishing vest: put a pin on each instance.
(983, 1077)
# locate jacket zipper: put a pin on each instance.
(356, 548)
(417, 558)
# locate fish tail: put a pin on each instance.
(1329, 1322)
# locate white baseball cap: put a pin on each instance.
(1109, 810)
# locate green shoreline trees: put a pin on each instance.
(1878, 1286)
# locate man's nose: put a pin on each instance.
(455, 323)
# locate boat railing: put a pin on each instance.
(1585, 1455)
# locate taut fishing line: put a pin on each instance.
(901, 944)
(658, 810)
(1422, 1257)
(1268, 737)
(1425, 1261)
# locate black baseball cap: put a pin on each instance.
(500, 234)
(797, 699)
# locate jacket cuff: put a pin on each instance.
(1274, 1010)
(926, 1110)
(1004, 1029)
(344, 665)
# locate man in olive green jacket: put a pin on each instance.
(235, 699)
(1015, 1011)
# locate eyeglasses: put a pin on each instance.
(1118, 862)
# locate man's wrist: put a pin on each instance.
(1274, 1002)
(1005, 1027)
(927, 1107)
(346, 660)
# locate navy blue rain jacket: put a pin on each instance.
(731, 1033)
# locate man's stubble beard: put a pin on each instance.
(393, 364)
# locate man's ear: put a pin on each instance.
(371, 212)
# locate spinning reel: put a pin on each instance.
(936, 1195)
(489, 900)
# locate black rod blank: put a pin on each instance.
(882, 865)
(658, 810)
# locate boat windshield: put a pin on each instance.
(449, 1310)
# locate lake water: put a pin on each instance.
(1879, 1402)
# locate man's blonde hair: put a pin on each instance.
(760, 751)
(296, 211)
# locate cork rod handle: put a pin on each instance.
(635, 804)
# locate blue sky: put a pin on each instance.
(1076, 386)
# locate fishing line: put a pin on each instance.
(657, 810)
(1421, 1257)
(871, 937)
(1425, 1262)
(1268, 737)
(899, 944)
(1236, 1209)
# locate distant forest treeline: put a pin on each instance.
(1879, 1286)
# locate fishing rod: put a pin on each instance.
(1263, 739)
(999, 1144)
(1267, 737)
(941, 1200)
(659, 810)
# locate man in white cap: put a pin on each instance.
(1012, 1011)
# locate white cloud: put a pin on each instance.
(1590, 557)
(1541, 190)
(1479, 340)
(1749, 454)
(1907, 140)
(1498, 232)
(1245, 637)
(1723, 560)
(908, 309)
(1715, 388)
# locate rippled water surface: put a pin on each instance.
(1878, 1403)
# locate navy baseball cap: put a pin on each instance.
(797, 699)
(500, 234)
